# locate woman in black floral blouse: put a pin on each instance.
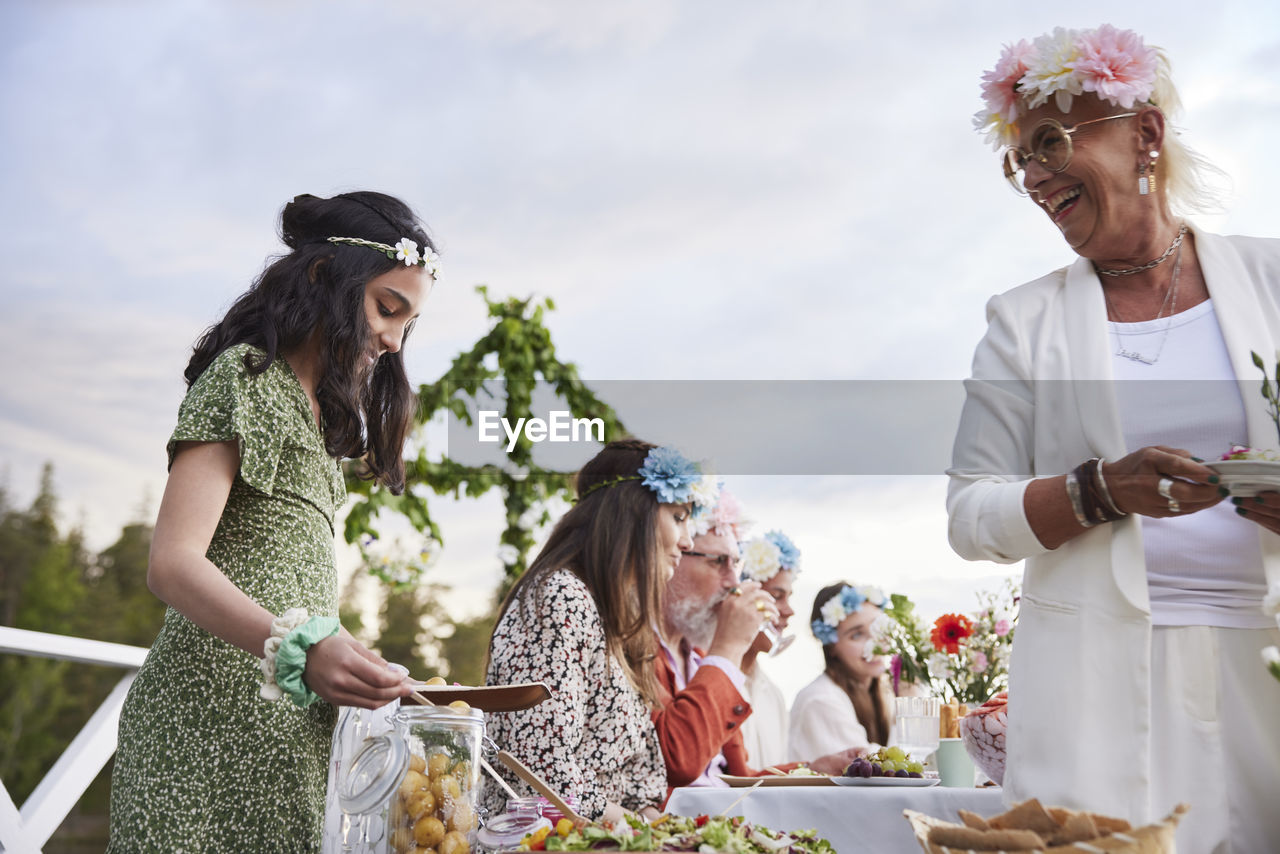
(581, 620)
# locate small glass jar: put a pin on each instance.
(504, 832)
(422, 780)
(552, 814)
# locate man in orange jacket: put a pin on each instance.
(710, 619)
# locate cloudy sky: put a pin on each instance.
(713, 190)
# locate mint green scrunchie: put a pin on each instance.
(292, 658)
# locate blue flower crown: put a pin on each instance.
(841, 605)
(666, 472)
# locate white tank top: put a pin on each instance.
(1204, 568)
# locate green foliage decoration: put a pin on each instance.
(519, 346)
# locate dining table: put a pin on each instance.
(853, 818)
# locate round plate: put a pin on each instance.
(916, 782)
(1248, 477)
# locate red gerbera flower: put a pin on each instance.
(949, 630)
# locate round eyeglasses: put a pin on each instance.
(1051, 147)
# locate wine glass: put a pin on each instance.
(916, 725)
(777, 641)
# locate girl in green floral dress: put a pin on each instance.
(304, 369)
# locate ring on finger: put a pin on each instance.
(760, 605)
(1165, 488)
(736, 591)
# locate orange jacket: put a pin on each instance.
(697, 723)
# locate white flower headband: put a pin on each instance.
(841, 605)
(764, 557)
(1116, 65)
(405, 250)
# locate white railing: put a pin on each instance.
(26, 831)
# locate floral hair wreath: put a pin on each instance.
(722, 514)
(672, 479)
(405, 250)
(841, 605)
(1115, 65)
(764, 557)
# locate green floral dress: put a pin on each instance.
(204, 763)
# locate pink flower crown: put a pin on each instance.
(1115, 65)
(722, 517)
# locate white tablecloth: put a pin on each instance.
(854, 819)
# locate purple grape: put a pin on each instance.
(876, 770)
(903, 773)
(915, 774)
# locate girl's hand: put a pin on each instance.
(1135, 483)
(343, 672)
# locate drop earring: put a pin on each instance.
(1147, 174)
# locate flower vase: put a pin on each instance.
(983, 731)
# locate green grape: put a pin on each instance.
(915, 767)
(895, 753)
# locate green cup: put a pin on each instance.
(955, 768)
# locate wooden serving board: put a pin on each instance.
(488, 698)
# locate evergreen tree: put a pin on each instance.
(44, 588)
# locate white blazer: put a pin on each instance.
(1040, 403)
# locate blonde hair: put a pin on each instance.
(1191, 182)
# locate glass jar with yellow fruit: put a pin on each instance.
(424, 778)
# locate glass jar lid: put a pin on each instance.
(374, 775)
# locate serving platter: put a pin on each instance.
(778, 780)
(906, 782)
(488, 698)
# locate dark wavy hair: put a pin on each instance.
(870, 704)
(318, 289)
(609, 539)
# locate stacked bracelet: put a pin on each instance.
(284, 654)
(1091, 500)
(1077, 506)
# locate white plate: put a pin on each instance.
(1246, 478)
(918, 782)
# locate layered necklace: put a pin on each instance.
(1170, 299)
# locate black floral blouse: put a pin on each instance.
(594, 738)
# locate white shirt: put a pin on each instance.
(823, 721)
(764, 733)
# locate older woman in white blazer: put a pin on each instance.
(1097, 394)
